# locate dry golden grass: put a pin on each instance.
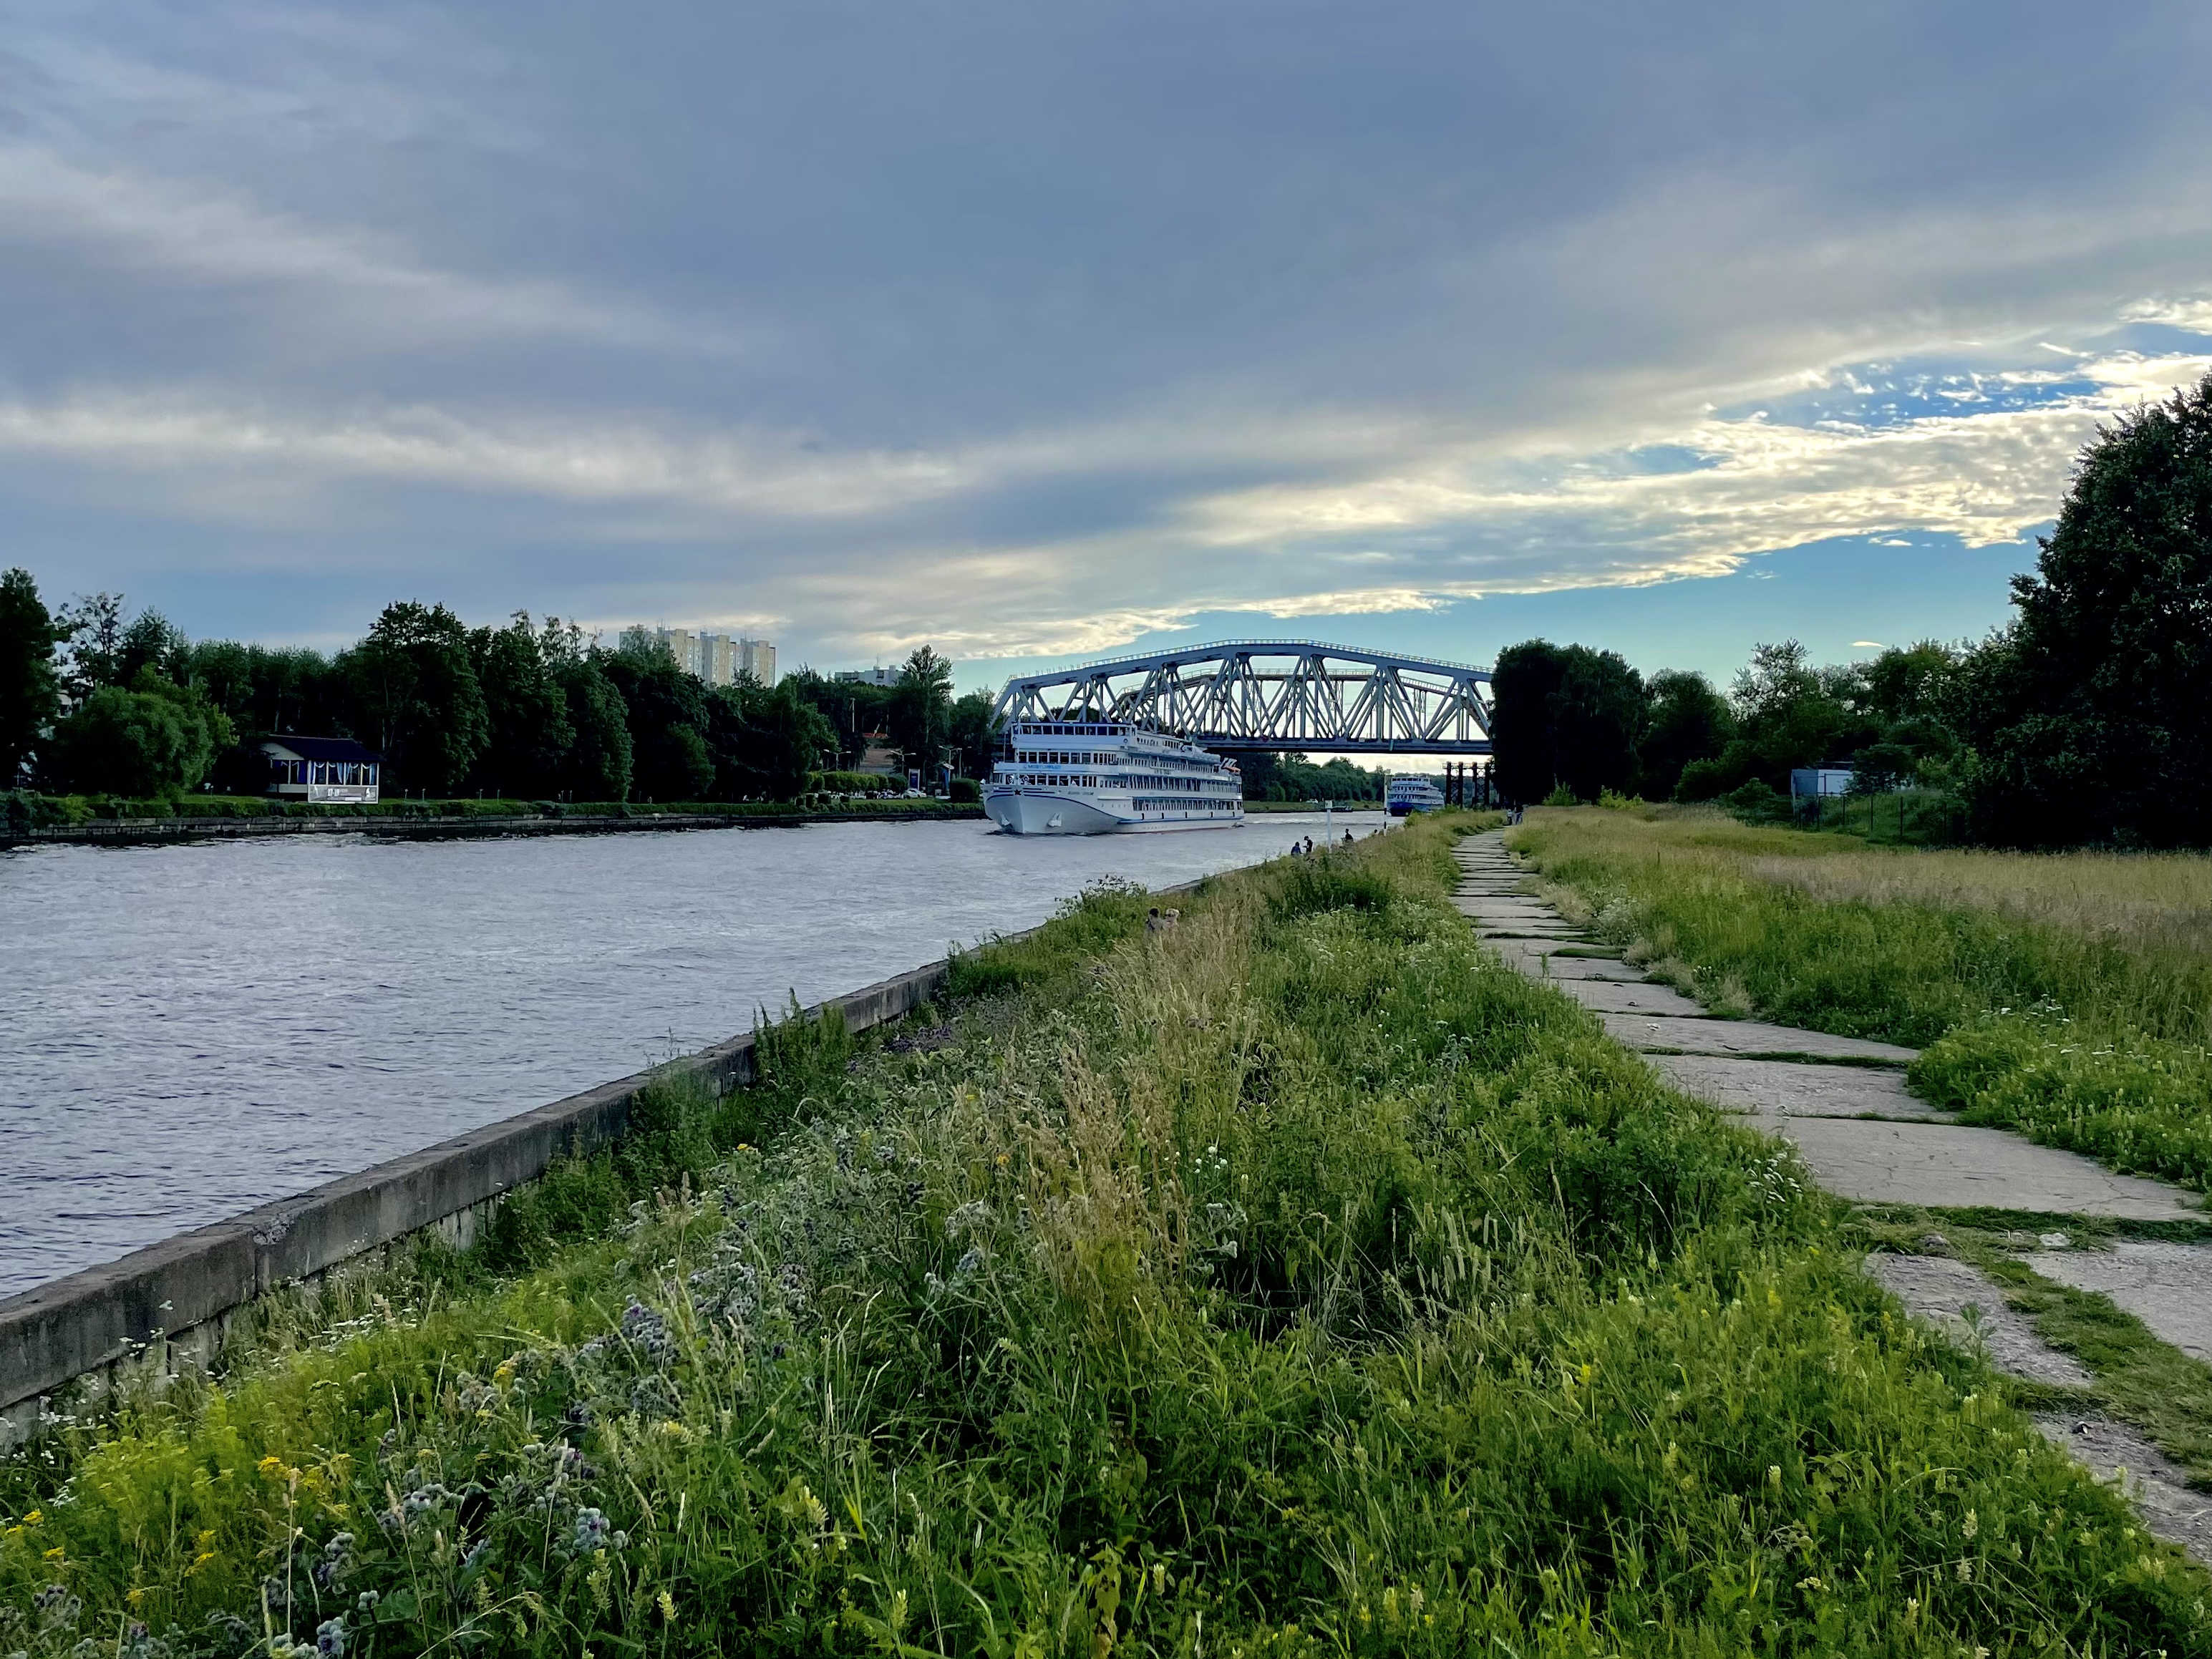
(2157, 901)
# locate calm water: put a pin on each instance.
(188, 1031)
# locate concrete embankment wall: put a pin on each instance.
(167, 1306)
(118, 832)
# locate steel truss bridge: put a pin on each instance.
(1273, 694)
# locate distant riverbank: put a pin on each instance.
(447, 820)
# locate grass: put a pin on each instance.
(2066, 995)
(1295, 1279)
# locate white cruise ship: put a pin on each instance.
(1099, 777)
(1410, 794)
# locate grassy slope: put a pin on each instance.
(2069, 997)
(1297, 1281)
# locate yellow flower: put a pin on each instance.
(34, 1517)
(667, 1605)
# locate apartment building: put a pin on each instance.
(719, 659)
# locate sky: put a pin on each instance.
(1042, 332)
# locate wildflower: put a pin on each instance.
(648, 1331)
(330, 1571)
(666, 1603)
(591, 1532)
(971, 1217)
(330, 1638)
(1969, 1526)
(365, 1603)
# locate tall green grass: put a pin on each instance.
(1292, 1280)
(2085, 1036)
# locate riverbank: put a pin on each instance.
(1295, 1278)
(459, 820)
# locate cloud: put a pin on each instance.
(175, 233)
(1028, 332)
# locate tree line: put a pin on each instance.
(2086, 719)
(94, 700)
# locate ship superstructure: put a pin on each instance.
(1104, 777)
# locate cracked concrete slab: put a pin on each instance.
(1939, 1289)
(2167, 1286)
(1530, 957)
(2119, 1455)
(1612, 997)
(1743, 1036)
(1795, 1089)
(1950, 1166)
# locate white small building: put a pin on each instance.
(1807, 781)
(323, 770)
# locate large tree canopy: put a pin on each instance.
(30, 686)
(1564, 716)
(2092, 714)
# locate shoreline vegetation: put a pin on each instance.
(98, 822)
(1288, 1278)
(2065, 995)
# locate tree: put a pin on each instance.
(525, 709)
(150, 641)
(1788, 715)
(30, 686)
(95, 628)
(1880, 767)
(1688, 722)
(1597, 715)
(154, 738)
(667, 712)
(598, 764)
(921, 708)
(1564, 716)
(2091, 714)
(1522, 686)
(415, 680)
(972, 730)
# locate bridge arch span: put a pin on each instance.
(1273, 694)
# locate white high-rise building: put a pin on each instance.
(719, 658)
(757, 658)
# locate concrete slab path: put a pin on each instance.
(1865, 1138)
(1784, 1090)
(1946, 1166)
(1743, 1036)
(1545, 964)
(1614, 997)
(2167, 1286)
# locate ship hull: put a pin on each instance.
(1043, 812)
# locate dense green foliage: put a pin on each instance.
(1567, 717)
(1292, 1280)
(1292, 777)
(133, 709)
(2092, 714)
(155, 737)
(30, 686)
(2077, 1038)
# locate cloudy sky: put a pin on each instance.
(1041, 330)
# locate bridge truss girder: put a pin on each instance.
(1273, 694)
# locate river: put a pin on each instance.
(188, 1031)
